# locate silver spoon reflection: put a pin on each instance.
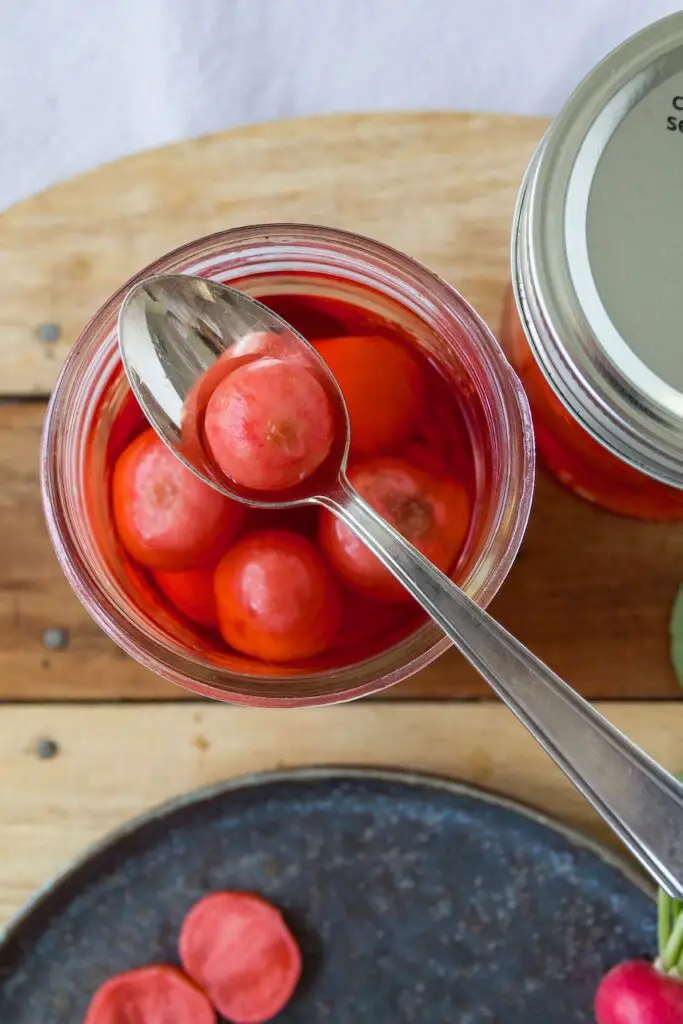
(172, 329)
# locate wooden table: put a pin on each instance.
(590, 593)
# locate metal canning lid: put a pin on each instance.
(597, 252)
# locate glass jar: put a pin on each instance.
(595, 329)
(87, 420)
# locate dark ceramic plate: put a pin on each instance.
(413, 898)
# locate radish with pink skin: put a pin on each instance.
(636, 992)
(269, 424)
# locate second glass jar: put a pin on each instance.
(594, 320)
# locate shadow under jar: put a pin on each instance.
(307, 274)
(593, 322)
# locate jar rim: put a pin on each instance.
(514, 498)
(583, 345)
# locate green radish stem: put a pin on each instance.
(664, 915)
(670, 921)
(674, 947)
(670, 934)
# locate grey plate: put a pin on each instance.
(413, 898)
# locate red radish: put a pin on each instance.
(192, 594)
(238, 948)
(432, 513)
(246, 349)
(269, 424)
(277, 598)
(367, 369)
(638, 992)
(635, 992)
(150, 995)
(165, 516)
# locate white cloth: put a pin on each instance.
(86, 81)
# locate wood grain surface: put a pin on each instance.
(439, 186)
(590, 593)
(115, 762)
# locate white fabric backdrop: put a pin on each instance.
(85, 81)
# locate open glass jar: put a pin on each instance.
(596, 326)
(92, 416)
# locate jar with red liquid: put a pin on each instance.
(595, 330)
(476, 427)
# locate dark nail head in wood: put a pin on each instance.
(46, 749)
(56, 639)
(49, 332)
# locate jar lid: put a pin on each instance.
(597, 252)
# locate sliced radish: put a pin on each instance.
(158, 994)
(239, 950)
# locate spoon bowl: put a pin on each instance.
(179, 336)
(173, 331)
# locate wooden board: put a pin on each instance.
(439, 186)
(115, 762)
(590, 593)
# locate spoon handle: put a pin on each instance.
(640, 801)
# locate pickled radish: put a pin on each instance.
(431, 512)
(277, 598)
(158, 994)
(191, 593)
(166, 517)
(384, 389)
(238, 948)
(269, 425)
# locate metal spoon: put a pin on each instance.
(172, 328)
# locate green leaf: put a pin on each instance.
(676, 635)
